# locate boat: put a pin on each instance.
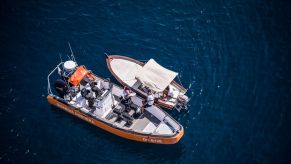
(98, 101)
(141, 77)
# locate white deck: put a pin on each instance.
(125, 70)
(163, 129)
(154, 120)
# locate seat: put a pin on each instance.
(127, 116)
(118, 110)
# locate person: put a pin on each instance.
(95, 87)
(165, 94)
(126, 98)
(89, 96)
(168, 93)
(127, 92)
(149, 101)
(146, 89)
(171, 91)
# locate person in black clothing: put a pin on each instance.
(126, 98)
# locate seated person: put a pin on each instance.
(89, 96)
(170, 92)
(164, 95)
(127, 92)
(96, 88)
(146, 89)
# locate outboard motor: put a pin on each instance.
(182, 102)
(61, 87)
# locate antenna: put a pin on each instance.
(61, 57)
(72, 53)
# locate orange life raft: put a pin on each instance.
(78, 75)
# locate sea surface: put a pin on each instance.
(233, 56)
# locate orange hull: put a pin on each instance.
(119, 132)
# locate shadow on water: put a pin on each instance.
(145, 151)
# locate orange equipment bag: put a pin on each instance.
(78, 75)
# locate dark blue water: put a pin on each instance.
(233, 55)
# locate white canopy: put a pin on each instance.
(154, 76)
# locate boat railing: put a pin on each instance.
(48, 79)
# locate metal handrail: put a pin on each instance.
(48, 78)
